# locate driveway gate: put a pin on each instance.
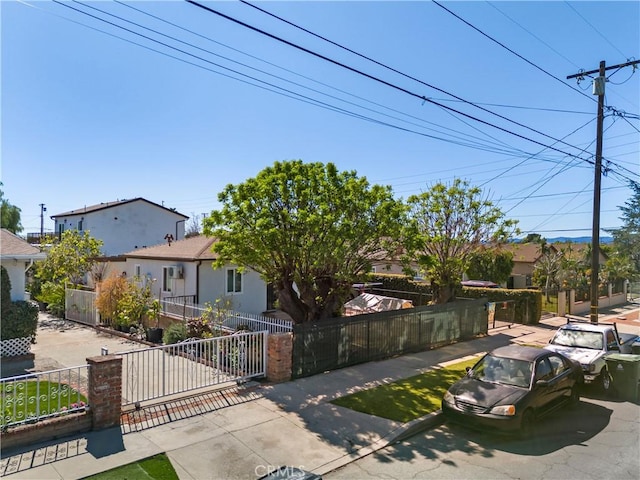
(156, 372)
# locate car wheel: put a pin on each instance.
(605, 380)
(527, 424)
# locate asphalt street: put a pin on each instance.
(598, 439)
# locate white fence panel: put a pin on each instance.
(156, 372)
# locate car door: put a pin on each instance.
(562, 380)
(543, 394)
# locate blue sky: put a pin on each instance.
(90, 117)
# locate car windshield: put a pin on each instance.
(578, 338)
(506, 371)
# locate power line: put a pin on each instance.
(594, 28)
(389, 84)
(512, 51)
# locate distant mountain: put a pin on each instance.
(578, 239)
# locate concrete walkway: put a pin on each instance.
(245, 432)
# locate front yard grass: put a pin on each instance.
(157, 467)
(50, 395)
(409, 398)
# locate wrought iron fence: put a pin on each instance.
(193, 364)
(34, 397)
(226, 318)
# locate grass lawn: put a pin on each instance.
(49, 394)
(409, 398)
(157, 467)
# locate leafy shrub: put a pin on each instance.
(5, 292)
(19, 321)
(53, 294)
(174, 334)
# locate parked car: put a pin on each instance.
(511, 387)
(589, 344)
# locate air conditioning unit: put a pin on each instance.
(176, 271)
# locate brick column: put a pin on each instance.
(105, 390)
(279, 357)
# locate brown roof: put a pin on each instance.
(12, 245)
(524, 252)
(193, 248)
(102, 206)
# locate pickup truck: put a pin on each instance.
(588, 344)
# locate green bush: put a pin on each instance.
(20, 321)
(174, 334)
(5, 292)
(53, 295)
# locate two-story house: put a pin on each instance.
(124, 225)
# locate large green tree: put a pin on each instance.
(308, 229)
(68, 261)
(447, 224)
(626, 239)
(10, 214)
(491, 264)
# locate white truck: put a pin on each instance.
(588, 344)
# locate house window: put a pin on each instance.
(167, 281)
(137, 270)
(234, 281)
(80, 225)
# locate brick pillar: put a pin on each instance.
(279, 357)
(105, 390)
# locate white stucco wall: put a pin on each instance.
(212, 284)
(123, 228)
(16, 270)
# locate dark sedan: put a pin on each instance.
(510, 387)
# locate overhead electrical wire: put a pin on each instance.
(594, 28)
(491, 4)
(294, 95)
(274, 88)
(330, 107)
(423, 98)
(510, 50)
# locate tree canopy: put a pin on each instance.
(626, 239)
(308, 229)
(68, 260)
(490, 264)
(447, 224)
(10, 215)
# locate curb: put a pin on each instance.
(401, 433)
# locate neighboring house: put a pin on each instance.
(184, 269)
(17, 257)
(124, 225)
(525, 257)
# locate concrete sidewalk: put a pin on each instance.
(246, 432)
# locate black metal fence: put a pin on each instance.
(340, 342)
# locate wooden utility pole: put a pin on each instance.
(598, 89)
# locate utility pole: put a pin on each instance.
(42, 210)
(598, 89)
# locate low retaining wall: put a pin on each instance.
(46, 430)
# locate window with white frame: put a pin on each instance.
(167, 281)
(234, 281)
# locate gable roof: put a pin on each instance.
(524, 252)
(103, 206)
(12, 246)
(192, 248)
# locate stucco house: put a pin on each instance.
(17, 257)
(184, 268)
(124, 225)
